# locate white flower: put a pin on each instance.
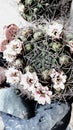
(29, 80)
(55, 29)
(12, 49)
(15, 47)
(53, 73)
(42, 94)
(58, 78)
(8, 56)
(13, 76)
(70, 44)
(18, 63)
(59, 86)
(63, 77)
(38, 92)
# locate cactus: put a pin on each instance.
(42, 53)
(40, 56)
(34, 9)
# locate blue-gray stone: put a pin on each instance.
(11, 103)
(68, 128)
(46, 118)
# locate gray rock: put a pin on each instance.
(11, 103)
(45, 119)
(1, 124)
(68, 128)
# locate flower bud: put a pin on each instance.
(28, 69)
(28, 17)
(35, 10)
(38, 35)
(47, 4)
(56, 46)
(18, 63)
(26, 33)
(28, 47)
(28, 2)
(64, 59)
(45, 74)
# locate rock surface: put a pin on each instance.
(71, 120)
(45, 119)
(1, 124)
(11, 103)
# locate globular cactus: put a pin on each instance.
(34, 9)
(40, 57)
(41, 62)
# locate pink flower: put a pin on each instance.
(7, 54)
(42, 95)
(37, 91)
(13, 76)
(70, 44)
(55, 30)
(11, 31)
(12, 50)
(29, 81)
(15, 47)
(58, 78)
